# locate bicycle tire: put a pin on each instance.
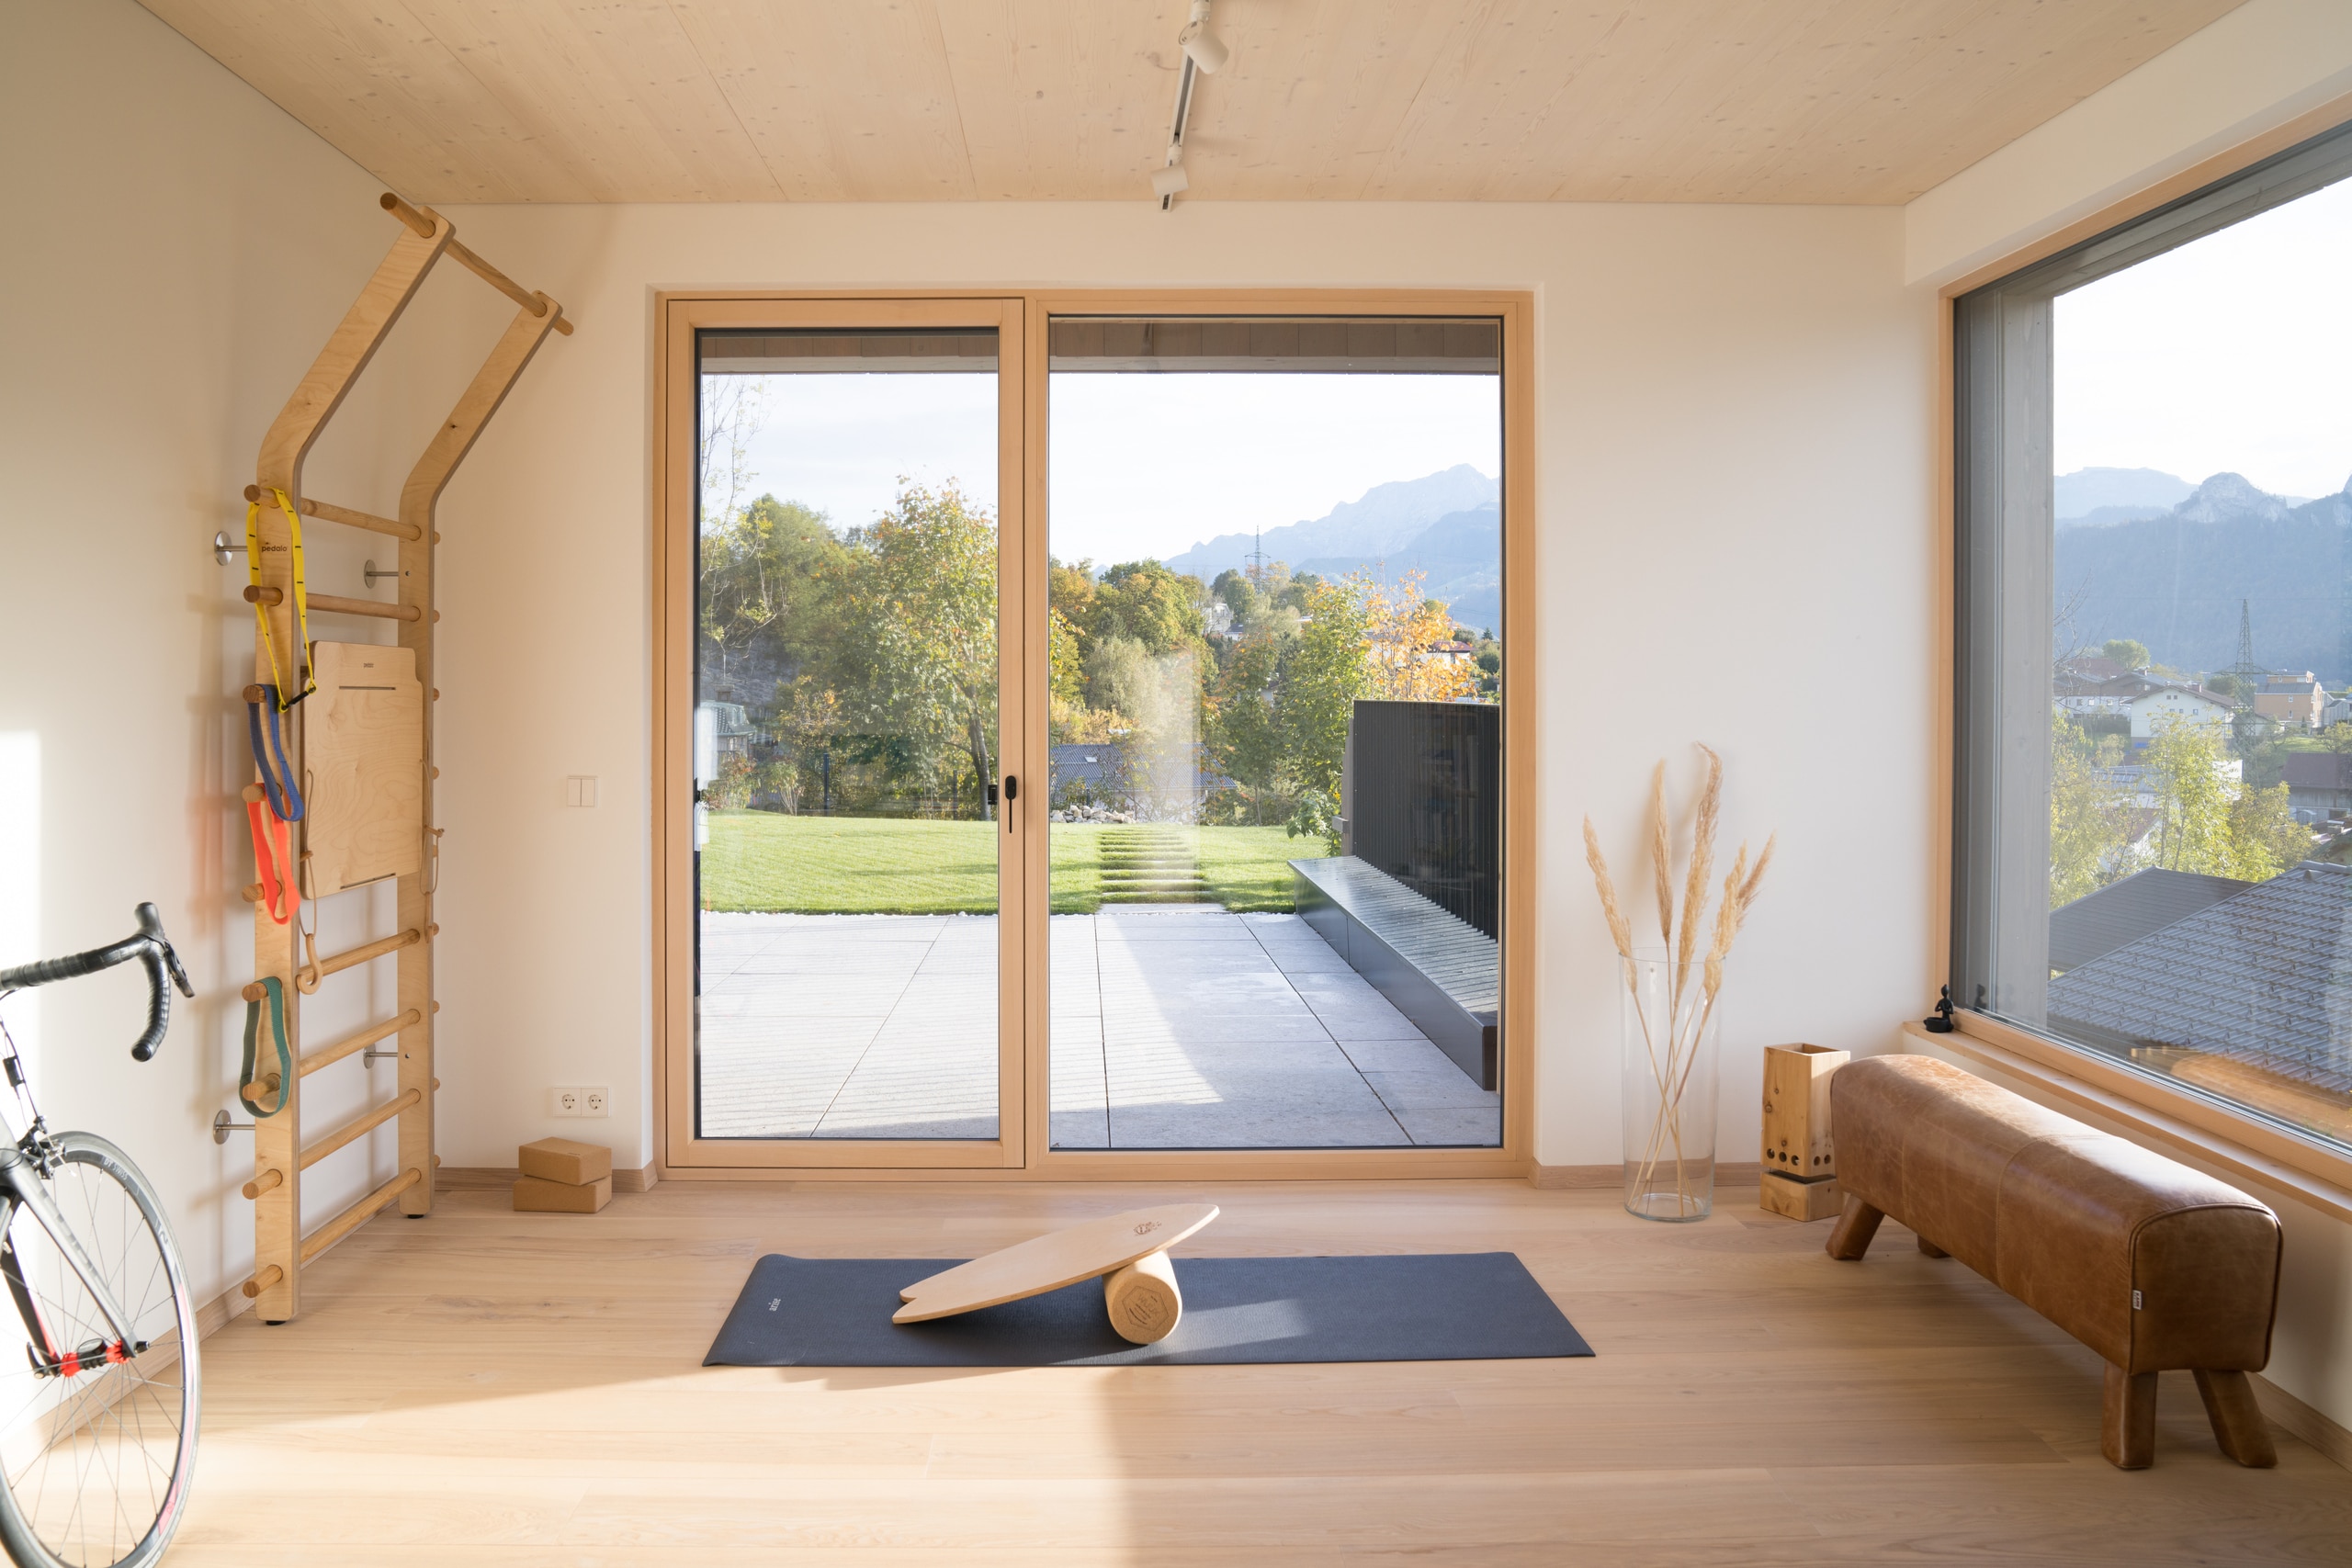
(149, 1406)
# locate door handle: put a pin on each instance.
(1011, 794)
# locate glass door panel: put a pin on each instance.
(1274, 786)
(846, 756)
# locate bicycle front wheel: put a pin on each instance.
(96, 1450)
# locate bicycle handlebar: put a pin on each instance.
(150, 946)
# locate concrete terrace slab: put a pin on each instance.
(1170, 1026)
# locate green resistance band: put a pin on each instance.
(276, 994)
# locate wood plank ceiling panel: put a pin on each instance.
(914, 100)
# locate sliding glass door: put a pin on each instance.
(850, 842)
(1276, 613)
(1085, 741)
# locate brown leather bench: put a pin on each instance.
(2149, 1263)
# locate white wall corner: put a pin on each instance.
(2255, 70)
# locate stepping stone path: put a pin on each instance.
(1150, 864)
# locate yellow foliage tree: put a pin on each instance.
(1400, 627)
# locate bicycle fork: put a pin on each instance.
(21, 1183)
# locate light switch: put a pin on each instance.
(580, 789)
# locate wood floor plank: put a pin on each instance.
(518, 1391)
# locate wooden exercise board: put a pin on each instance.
(362, 752)
(1049, 1262)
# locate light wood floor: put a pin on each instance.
(487, 1387)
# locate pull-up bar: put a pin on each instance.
(537, 304)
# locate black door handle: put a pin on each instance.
(1011, 793)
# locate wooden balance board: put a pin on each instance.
(1128, 1251)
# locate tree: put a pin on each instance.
(1065, 669)
(1400, 629)
(1157, 607)
(771, 575)
(924, 591)
(2269, 840)
(1326, 670)
(1119, 675)
(1245, 738)
(2210, 823)
(2130, 652)
(2088, 816)
(2185, 762)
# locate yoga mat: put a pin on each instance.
(1459, 1306)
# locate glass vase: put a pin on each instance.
(1672, 1027)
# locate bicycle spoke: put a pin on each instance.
(94, 1468)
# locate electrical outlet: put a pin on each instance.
(598, 1101)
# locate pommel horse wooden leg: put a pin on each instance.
(1142, 1299)
(2238, 1423)
(1851, 1236)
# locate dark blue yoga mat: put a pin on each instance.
(1457, 1307)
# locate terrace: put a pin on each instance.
(1173, 1026)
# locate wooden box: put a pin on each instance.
(1796, 1110)
(534, 1195)
(1818, 1200)
(362, 750)
(562, 1159)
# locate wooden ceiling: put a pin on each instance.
(922, 100)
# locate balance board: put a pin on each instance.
(1129, 1252)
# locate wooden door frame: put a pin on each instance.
(1022, 1152)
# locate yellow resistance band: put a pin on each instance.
(301, 597)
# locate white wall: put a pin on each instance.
(2252, 71)
(1735, 417)
(180, 250)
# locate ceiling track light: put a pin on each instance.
(1201, 46)
(1205, 54)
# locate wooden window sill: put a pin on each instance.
(2291, 1166)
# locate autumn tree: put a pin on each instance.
(1400, 629)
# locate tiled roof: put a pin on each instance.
(2124, 912)
(2316, 770)
(2264, 978)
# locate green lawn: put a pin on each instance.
(850, 866)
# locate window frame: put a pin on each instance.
(2002, 556)
(1024, 1150)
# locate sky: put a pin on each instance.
(1143, 464)
(2233, 354)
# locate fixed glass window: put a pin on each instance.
(2153, 746)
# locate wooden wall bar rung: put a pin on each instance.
(357, 1129)
(358, 1215)
(537, 304)
(327, 1056)
(267, 1182)
(307, 979)
(340, 606)
(351, 517)
(267, 1279)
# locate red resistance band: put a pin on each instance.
(277, 885)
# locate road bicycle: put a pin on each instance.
(97, 1430)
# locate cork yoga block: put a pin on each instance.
(562, 1159)
(534, 1195)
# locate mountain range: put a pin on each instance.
(1448, 525)
(2173, 573)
